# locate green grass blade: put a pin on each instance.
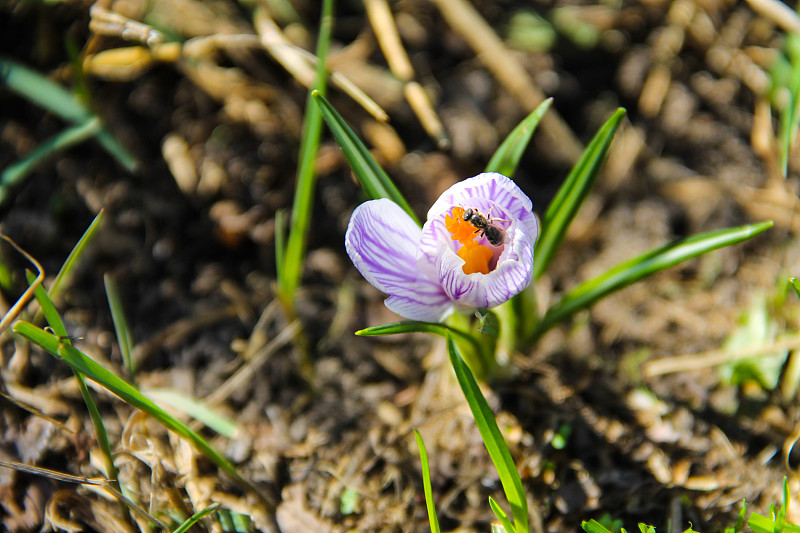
(413, 326)
(573, 192)
(47, 94)
(501, 516)
(507, 156)
(368, 172)
(760, 523)
(194, 408)
(64, 275)
(82, 131)
(426, 483)
(492, 439)
(593, 526)
(291, 268)
(124, 337)
(196, 517)
(107, 379)
(644, 265)
(57, 325)
(41, 91)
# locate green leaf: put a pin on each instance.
(80, 362)
(194, 408)
(761, 524)
(426, 483)
(124, 337)
(507, 156)
(196, 517)
(790, 116)
(76, 134)
(368, 172)
(573, 192)
(795, 285)
(593, 526)
(39, 90)
(756, 328)
(642, 266)
(291, 268)
(414, 326)
(57, 325)
(501, 516)
(492, 439)
(65, 274)
(488, 323)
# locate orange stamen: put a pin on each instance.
(476, 256)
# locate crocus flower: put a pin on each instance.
(451, 262)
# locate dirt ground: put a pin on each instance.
(189, 239)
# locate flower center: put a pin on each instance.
(477, 257)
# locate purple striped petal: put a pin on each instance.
(382, 242)
(494, 188)
(513, 273)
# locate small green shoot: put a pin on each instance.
(368, 172)
(39, 90)
(291, 266)
(776, 522)
(795, 285)
(67, 269)
(195, 518)
(756, 328)
(426, 483)
(492, 439)
(506, 158)
(124, 337)
(737, 527)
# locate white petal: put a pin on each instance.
(495, 188)
(382, 240)
(513, 273)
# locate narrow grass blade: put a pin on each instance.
(124, 337)
(196, 517)
(501, 516)
(39, 90)
(795, 285)
(413, 326)
(507, 156)
(642, 266)
(593, 526)
(43, 92)
(82, 131)
(572, 193)
(292, 256)
(194, 408)
(107, 379)
(368, 172)
(790, 115)
(57, 325)
(426, 483)
(64, 275)
(492, 439)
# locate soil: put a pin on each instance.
(325, 422)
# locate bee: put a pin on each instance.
(483, 225)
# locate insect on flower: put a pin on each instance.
(459, 259)
(485, 226)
